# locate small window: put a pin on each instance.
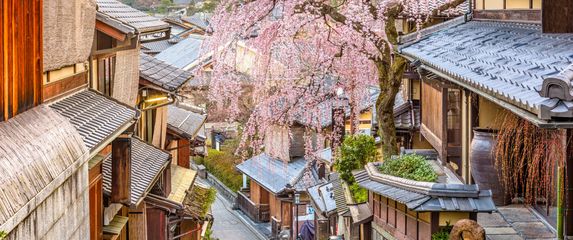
(106, 73)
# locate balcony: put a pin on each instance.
(257, 212)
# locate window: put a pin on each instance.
(105, 74)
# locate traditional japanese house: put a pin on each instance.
(73, 124)
(508, 57)
(184, 211)
(159, 83)
(277, 183)
(125, 188)
(407, 209)
(115, 55)
(334, 216)
(186, 133)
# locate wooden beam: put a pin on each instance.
(557, 16)
(57, 88)
(110, 31)
(121, 170)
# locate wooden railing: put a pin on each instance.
(257, 212)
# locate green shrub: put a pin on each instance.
(354, 153)
(410, 166)
(444, 233)
(222, 164)
(359, 194)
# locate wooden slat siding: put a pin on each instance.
(183, 152)
(156, 224)
(96, 202)
(557, 16)
(63, 86)
(121, 170)
(432, 115)
(21, 56)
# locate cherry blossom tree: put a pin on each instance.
(309, 53)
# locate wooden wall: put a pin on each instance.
(432, 115)
(259, 195)
(21, 51)
(183, 152)
(138, 222)
(156, 224)
(96, 202)
(557, 16)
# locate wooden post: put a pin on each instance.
(557, 15)
(121, 170)
(569, 187)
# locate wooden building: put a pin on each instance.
(477, 76)
(61, 125)
(275, 178)
(407, 209)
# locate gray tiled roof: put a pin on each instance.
(197, 20)
(271, 173)
(131, 16)
(184, 121)
(422, 196)
(95, 116)
(184, 53)
(407, 116)
(156, 47)
(323, 197)
(339, 194)
(506, 60)
(161, 73)
(147, 163)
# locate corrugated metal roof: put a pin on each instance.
(162, 74)
(271, 173)
(183, 54)
(185, 122)
(131, 16)
(506, 60)
(147, 163)
(95, 116)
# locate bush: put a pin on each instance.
(222, 164)
(359, 194)
(354, 153)
(410, 166)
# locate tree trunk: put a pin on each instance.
(390, 80)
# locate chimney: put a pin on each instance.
(557, 16)
(121, 169)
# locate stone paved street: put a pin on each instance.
(514, 222)
(227, 226)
